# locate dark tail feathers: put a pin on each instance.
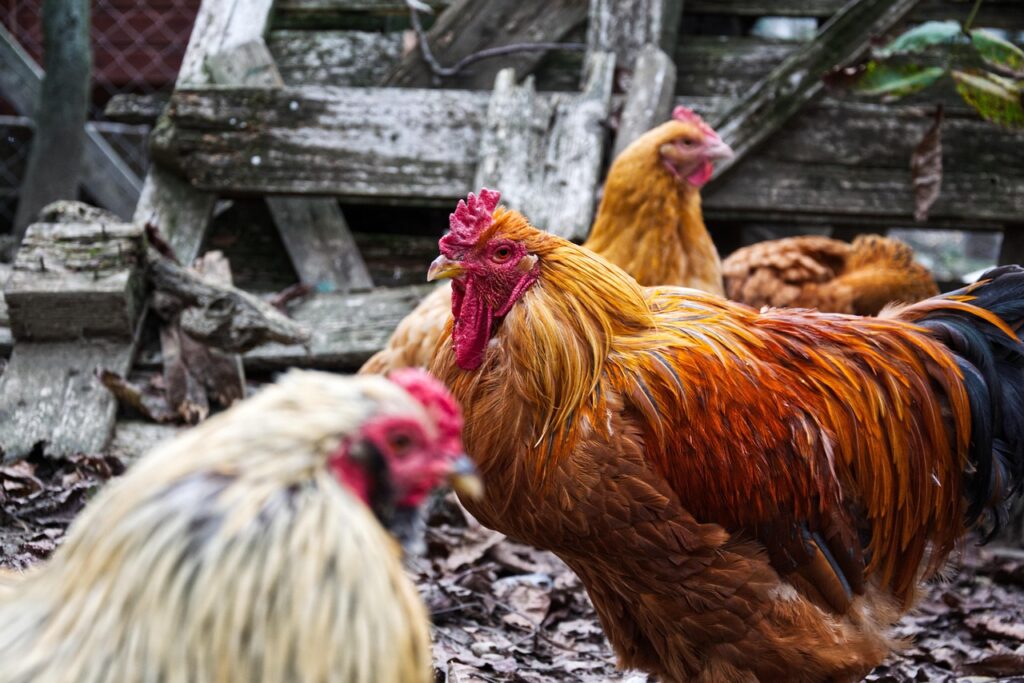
(993, 366)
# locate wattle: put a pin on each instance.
(472, 330)
(702, 174)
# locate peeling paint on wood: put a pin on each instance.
(649, 98)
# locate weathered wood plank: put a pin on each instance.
(726, 66)
(764, 186)
(76, 279)
(545, 154)
(780, 94)
(329, 7)
(347, 329)
(134, 438)
(874, 135)
(312, 228)
(995, 13)
(180, 211)
(319, 242)
(339, 58)
(136, 109)
(104, 174)
(49, 396)
(649, 97)
(468, 26)
(354, 142)
(623, 27)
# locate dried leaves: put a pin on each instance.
(39, 496)
(507, 612)
(926, 168)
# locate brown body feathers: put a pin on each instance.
(819, 272)
(745, 495)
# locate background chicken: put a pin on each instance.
(246, 549)
(649, 223)
(827, 274)
(745, 495)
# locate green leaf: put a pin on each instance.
(999, 53)
(896, 81)
(997, 99)
(922, 36)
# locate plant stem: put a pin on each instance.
(972, 15)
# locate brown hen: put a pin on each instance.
(830, 275)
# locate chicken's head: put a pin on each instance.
(686, 147)
(406, 448)
(490, 270)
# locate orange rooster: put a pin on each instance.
(746, 495)
(827, 274)
(246, 549)
(649, 223)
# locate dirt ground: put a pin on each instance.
(505, 612)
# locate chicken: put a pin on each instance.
(745, 495)
(649, 223)
(827, 274)
(247, 548)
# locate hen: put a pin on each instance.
(746, 495)
(649, 223)
(246, 549)
(827, 274)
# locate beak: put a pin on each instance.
(444, 267)
(464, 479)
(718, 150)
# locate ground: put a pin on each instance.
(505, 612)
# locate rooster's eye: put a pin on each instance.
(400, 443)
(502, 254)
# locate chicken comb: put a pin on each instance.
(471, 217)
(687, 115)
(437, 400)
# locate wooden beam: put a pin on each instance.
(352, 142)
(468, 26)
(347, 329)
(545, 154)
(75, 280)
(343, 58)
(74, 300)
(50, 398)
(313, 229)
(180, 211)
(319, 242)
(104, 174)
(649, 98)
(797, 80)
(625, 26)
(1011, 251)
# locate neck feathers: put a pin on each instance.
(654, 229)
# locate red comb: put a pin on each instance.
(471, 217)
(687, 115)
(437, 400)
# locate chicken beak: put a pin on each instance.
(717, 150)
(444, 267)
(464, 479)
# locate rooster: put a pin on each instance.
(827, 274)
(247, 549)
(649, 223)
(745, 495)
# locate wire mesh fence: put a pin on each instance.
(137, 49)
